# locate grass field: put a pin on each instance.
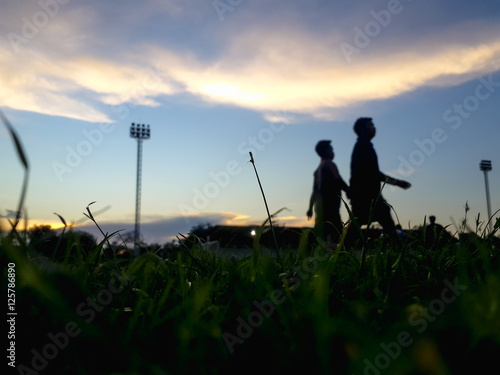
(408, 310)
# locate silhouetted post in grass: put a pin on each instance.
(140, 133)
(485, 166)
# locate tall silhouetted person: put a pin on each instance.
(325, 197)
(366, 180)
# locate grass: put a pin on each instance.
(198, 312)
(393, 309)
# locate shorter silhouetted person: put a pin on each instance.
(368, 204)
(326, 195)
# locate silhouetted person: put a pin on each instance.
(366, 180)
(325, 197)
(433, 225)
(434, 233)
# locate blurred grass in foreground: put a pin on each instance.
(408, 311)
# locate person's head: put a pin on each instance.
(364, 127)
(325, 150)
(432, 219)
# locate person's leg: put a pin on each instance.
(333, 228)
(360, 211)
(382, 214)
(319, 226)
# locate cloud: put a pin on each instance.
(237, 220)
(160, 229)
(37, 85)
(59, 88)
(284, 71)
(11, 214)
(270, 64)
(292, 69)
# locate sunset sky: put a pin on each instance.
(217, 79)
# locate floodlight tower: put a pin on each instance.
(485, 166)
(139, 132)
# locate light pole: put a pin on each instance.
(485, 166)
(139, 132)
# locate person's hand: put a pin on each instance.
(403, 184)
(309, 214)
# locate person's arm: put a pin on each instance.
(311, 205)
(313, 197)
(394, 181)
(343, 185)
(336, 175)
